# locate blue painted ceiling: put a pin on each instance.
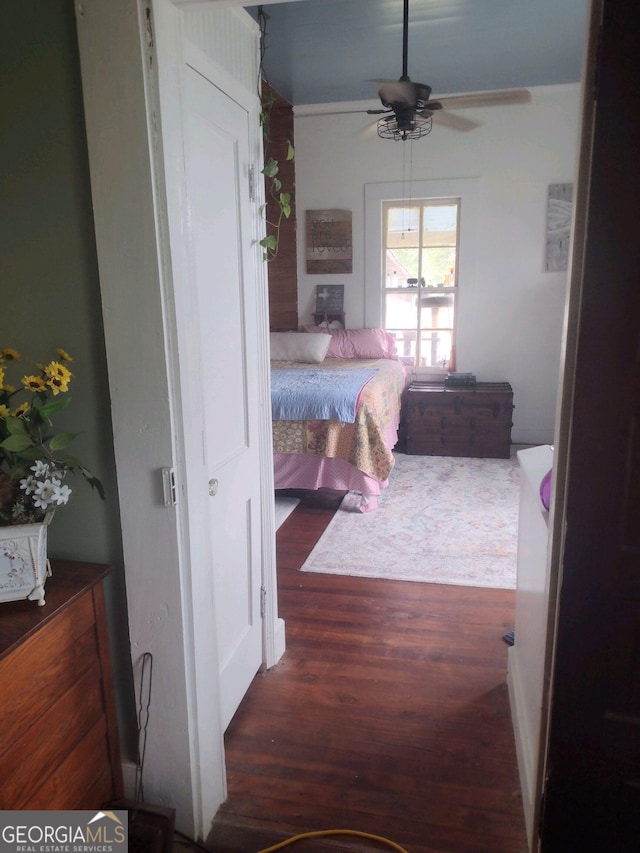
(325, 51)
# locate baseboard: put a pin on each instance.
(523, 743)
(129, 777)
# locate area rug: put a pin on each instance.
(441, 520)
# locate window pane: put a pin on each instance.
(405, 344)
(401, 311)
(438, 266)
(440, 225)
(403, 226)
(401, 265)
(435, 348)
(437, 310)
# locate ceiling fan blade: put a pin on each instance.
(453, 121)
(487, 99)
(367, 130)
(377, 112)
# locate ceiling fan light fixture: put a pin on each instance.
(402, 128)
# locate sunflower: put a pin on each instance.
(57, 384)
(8, 354)
(57, 377)
(55, 370)
(34, 383)
(21, 409)
(4, 411)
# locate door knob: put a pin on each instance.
(213, 487)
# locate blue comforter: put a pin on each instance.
(317, 395)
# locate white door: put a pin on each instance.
(216, 133)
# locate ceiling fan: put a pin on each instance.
(409, 111)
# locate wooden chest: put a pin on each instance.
(473, 421)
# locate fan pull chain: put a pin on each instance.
(407, 201)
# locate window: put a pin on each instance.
(420, 284)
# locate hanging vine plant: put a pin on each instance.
(278, 203)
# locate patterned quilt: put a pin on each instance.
(361, 443)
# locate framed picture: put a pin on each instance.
(329, 242)
(559, 210)
(329, 298)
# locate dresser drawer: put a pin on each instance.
(32, 756)
(45, 667)
(58, 729)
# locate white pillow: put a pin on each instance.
(299, 346)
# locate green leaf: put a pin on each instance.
(97, 485)
(31, 454)
(16, 426)
(55, 405)
(270, 168)
(69, 460)
(290, 150)
(16, 443)
(48, 408)
(62, 440)
(266, 243)
(285, 204)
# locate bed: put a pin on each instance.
(319, 442)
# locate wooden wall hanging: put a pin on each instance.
(329, 242)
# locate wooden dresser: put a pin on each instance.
(59, 744)
(462, 421)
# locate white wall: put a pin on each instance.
(511, 314)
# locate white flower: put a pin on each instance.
(41, 502)
(40, 468)
(60, 494)
(43, 494)
(28, 484)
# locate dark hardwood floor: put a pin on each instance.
(388, 714)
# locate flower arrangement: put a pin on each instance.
(33, 458)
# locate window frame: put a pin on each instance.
(421, 290)
(468, 192)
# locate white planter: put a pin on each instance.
(24, 566)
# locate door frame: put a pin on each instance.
(595, 619)
(132, 53)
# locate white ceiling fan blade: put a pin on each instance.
(453, 121)
(486, 99)
(368, 130)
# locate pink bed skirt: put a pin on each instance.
(297, 471)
